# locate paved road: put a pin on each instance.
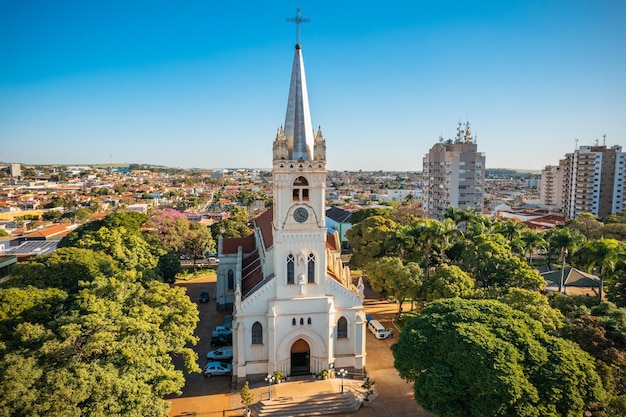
(214, 397)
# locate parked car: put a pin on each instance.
(204, 296)
(213, 260)
(222, 340)
(228, 321)
(378, 330)
(222, 354)
(222, 331)
(217, 368)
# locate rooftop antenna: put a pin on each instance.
(576, 144)
(298, 20)
(604, 140)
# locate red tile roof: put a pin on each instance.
(331, 242)
(231, 245)
(264, 222)
(56, 230)
(252, 273)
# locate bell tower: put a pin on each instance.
(299, 178)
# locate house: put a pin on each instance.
(339, 220)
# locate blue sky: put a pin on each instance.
(204, 83)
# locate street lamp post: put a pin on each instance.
(342, 374)
(269, 379)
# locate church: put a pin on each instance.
(295, 307)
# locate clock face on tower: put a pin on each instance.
(300, 214)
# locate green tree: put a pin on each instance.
(371, 239)
(460, 216)
(531, 241)
(587, 224)
(52, 215)
(231, 228)
(199, 241)
(564, 241)
(490, 261)
(82, 214)
(389, 275)
(64, 269)
(168, 266)
(109, 352)
(483, 358)
(536, 306)
(247, 397)
(602, 334)
(616, 291)
(128, 248)
(360, 215)
(603, 255)
(448, 281)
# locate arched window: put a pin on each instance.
(310, 269)
(301, 321)
(300, 189)
(290, 269)
(257, 333)
(308, 321)
(293, 321)
(342, 328)
(231, 280)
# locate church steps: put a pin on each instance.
(319, 405)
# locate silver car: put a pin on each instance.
(217, 368)
(222, 354)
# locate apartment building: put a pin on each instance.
(551, 187)
(593, 180)
(454, 174)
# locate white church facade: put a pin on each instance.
(295, 306)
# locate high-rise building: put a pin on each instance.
(551, 187)
(454, 174)
(296, 309)
(16, 170)
(593, 180)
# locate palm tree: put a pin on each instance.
(429, 232)
(603, 255)
(510, 229)
(460, 217)
(564, 241)
(531, 241)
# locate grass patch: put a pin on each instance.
(195, 273)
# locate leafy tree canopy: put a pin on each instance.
(483, 358)
(109, 352)
(536, 306)
(127, 247)
(360, 215)
(389, 275)
(371, 239)
(64, 269)
(448, 281)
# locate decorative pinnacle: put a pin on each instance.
(298, 20)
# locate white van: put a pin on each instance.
(378, 330)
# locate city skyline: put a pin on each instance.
(205, 84)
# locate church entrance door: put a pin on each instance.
(300, 354)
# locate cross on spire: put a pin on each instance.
(298, 20)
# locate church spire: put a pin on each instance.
(298, 126)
